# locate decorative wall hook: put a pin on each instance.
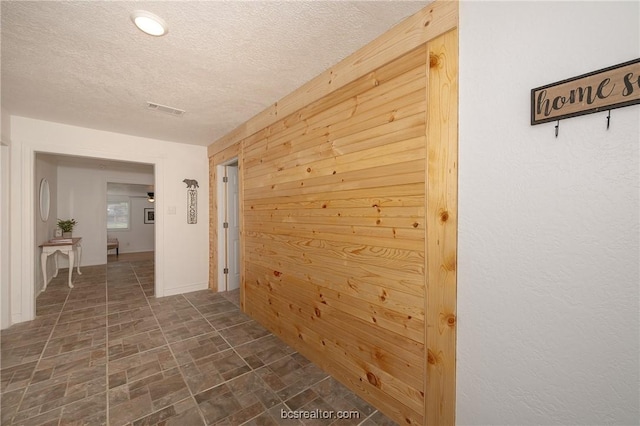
(608, 119)
(557, 127)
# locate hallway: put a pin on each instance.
(108, 352)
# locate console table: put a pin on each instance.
(65, 247)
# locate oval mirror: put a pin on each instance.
(44, 200)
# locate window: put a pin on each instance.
(118, 214)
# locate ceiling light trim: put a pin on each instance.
(149, 23)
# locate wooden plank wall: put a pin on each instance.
(349, 220)
(442, 229)
(334, 233)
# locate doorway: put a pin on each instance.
(130, 218)
(229, 225)
(82, 188)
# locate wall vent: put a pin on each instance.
(166, 109)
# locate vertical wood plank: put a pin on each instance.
(442, 220)
(241, 220)
(213, 229)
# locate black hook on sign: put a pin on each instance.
(557, 127)
(608, 119)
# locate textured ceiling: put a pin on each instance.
(84, 63)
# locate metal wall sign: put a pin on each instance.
(613, 87)
(192, 200)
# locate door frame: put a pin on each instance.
(22, 235)
(222, 213)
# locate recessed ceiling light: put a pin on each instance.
(149, 23)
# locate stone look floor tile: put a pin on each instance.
(141, 365)
(210, 371)
(88, 411)
(137, 343)
(196, 348)
(82, 314)
(264, 351)
(191, 359)
(182, 413)
(81, 326)
(16, 377)
(9, 402)
(341, 398)
(16, 355)
(227, 319)
(187, 329)
(288, 377)
(90, 339)
(244, 333)
(217, 403)
(145, 396)
(171, 303)
(217, 307)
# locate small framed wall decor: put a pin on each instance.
(192, 201)
(149, 216)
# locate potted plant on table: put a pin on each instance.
(67, 227)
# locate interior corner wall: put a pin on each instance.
(181, 248)
(5, 229)
(548, 277)
(5, 296)
(45, 167)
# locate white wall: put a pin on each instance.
(5, 296)
(82, 195)
(45, 167)
(548, 297)
(140, 236)
(181, 249)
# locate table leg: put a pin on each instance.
(71, 259)
(55, 260)
(79, 257)
(43, 264)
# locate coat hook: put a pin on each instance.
(557, 127)
(608, 119)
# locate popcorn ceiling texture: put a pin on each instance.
(86, 64)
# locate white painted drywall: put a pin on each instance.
(140, 236)
(181, 249)
(5, 297)
(45, 167)
(548, 297)
(82, 195)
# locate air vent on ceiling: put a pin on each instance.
(166, 109)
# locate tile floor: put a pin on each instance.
(108, 352)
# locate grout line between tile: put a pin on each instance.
(251, 369)
(106, 339)
(35, 368)
(204, 422)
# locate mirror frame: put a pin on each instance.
(45, 199)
